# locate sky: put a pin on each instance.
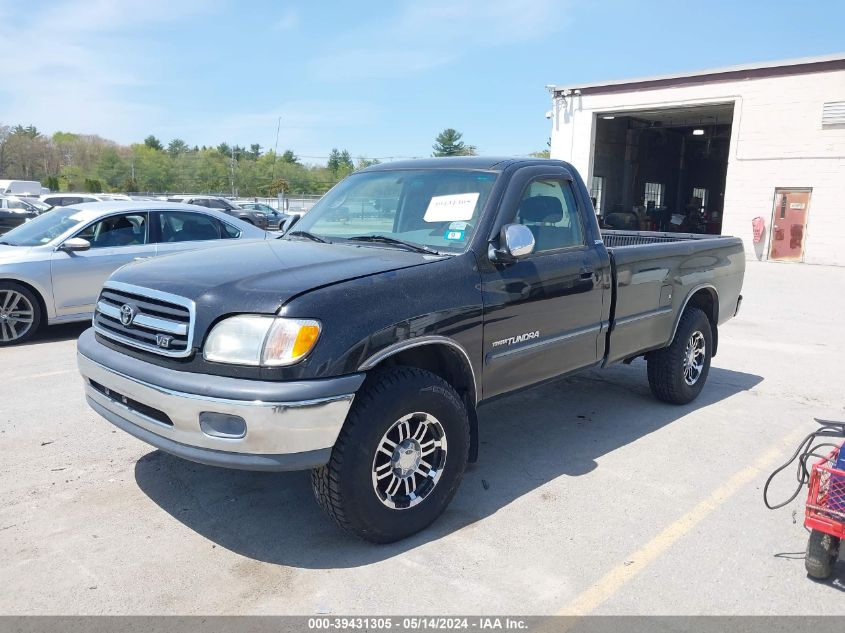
(380, 79)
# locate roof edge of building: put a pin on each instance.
(759, 70)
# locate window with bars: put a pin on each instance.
(654, 193)
(596, 191)
(701, 194)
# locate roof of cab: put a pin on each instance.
(494, 163)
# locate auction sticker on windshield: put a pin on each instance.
(454, 208)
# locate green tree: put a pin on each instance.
(224, 149)
(153, 143)
(345, 161)
(93, 185)
(333, 164)
(111, 168)
(289, 157)
(279, 185)
(129, 185)
(52, 183)
(30, 131)
(363, 163)
(449, 143)
(176, 146)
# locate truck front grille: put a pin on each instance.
(146, 319)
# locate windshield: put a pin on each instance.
(436, 208)
(45, 228)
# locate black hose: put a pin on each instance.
(805, 451)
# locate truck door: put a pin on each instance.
(543, 314)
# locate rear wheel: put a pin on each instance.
(822, 552)
(399, 458)
(20, 313)
(677, 373)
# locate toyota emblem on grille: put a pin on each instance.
(127, 314)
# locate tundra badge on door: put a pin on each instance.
(517, 339)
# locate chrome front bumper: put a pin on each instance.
(284, 434)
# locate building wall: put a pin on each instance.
(777, 140)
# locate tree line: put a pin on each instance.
(87, 162)
(66, 161)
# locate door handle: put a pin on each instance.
(586, 273)
(137, 259)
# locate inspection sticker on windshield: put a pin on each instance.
(454, 208)
(454, 235)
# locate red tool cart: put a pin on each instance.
(825, 515)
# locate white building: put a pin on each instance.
(711, 151)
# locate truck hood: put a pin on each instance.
(261, 276)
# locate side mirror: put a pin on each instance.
(75, 244)
(515, 241)
(290, 222)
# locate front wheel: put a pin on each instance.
(677, 373)
(20, 314)
(822, 552)
(398, 459)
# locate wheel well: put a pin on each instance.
(41, 303)
(452, 366)
(707, 301)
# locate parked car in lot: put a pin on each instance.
(68, 199)
(53, 267)
(275, 218)
(363, 349)
(14, 211)
(20, 187)
(250, 216)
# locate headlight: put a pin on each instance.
(261, 340)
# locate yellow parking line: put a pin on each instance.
(590, 599)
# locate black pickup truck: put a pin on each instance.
(362, 342)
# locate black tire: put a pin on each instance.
(667, 367)
(23, 300)
(822, 552)
(345, 487)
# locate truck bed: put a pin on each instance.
(654, 273)
(613, 238)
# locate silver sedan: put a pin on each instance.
(53, 267)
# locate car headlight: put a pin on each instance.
(261, 340)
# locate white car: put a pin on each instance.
(53, 267)
(68, 198)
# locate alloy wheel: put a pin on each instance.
(409, 460)
(17, 315)
(694, 357)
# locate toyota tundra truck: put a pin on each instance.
(362, 342)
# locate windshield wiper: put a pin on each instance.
(384, 239)
(307, 235)
(7, 244)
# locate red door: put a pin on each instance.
(789, 223)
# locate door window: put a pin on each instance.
(212, 203)
(548, 208)
(182, 226)
(118, 230)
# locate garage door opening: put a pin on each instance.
(662, 170)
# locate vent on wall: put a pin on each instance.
(833, 113)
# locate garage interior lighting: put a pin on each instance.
(608, 117)
(698, 132)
